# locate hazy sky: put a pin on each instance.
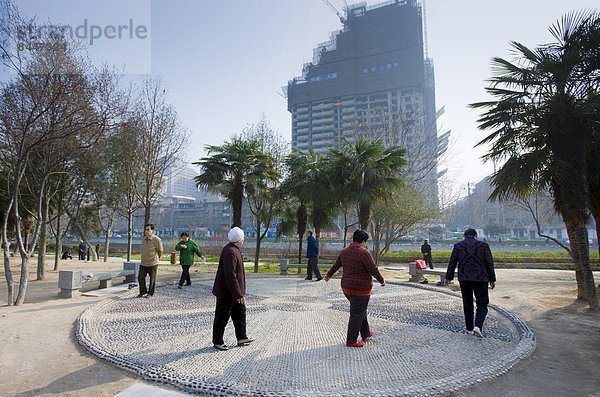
(226, 60)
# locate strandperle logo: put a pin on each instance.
(29, 37)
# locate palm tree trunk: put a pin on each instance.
(257, 249)
(236, 202)
(364, 213)
(586, 289)
(301, 218)
(597, 220)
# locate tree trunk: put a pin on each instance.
(345, 229)
(597, 220)
(27, 237)
(146, 213)
(586, 288)
(107, 244)
(301, 218)
(129, 234)
(257, 250)
(364, 213)
(6, 251)
(24, 280)
(375, 236)
(43, 237)
(58, 239)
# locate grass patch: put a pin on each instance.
(525, 257)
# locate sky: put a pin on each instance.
(225, 61)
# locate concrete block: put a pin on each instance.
(69, 282)
(132, 265)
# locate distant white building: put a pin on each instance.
(179, 184)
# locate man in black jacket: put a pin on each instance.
(475, 272)
(426, 251)
(230, 288)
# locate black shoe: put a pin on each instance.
(140, 295)
(319, 279)
(245, 341)
(179, 287)
(308, 278)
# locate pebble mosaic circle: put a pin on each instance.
(419, 347)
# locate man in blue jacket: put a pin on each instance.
(312, 253)
(475, 272)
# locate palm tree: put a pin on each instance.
(541, 128)
(298, 183)
(370, 170)
(231, 168)
(308, 180)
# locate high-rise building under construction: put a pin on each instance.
(373, 80)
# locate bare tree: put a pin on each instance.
(265, 198)
(540, 212)
(394, 217)
(162, 140)
(50, 99)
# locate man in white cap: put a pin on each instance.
(230, 288)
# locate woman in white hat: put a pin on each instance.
(230, 288)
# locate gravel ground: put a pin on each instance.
(40, 355)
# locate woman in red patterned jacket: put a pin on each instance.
(357, 283)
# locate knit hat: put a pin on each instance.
(235, 234)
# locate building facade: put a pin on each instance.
(371, 80)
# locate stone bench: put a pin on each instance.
(71, 281)
(417, 274)
(284, 265)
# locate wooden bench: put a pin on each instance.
(284, 265)
(71, 281)
(416, 274)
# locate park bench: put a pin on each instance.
(71, 281)
(417, 274)
(284, 265)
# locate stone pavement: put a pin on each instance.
(419, 345)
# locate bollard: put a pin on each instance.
(283, 266)
(173, 258)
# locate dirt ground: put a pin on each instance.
(39, 355)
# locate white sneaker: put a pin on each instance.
(245, 341)
(477, 332)
(221, 347)
(470, 333)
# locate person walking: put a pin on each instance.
(475, 272)
(312, 253)
(426, 251)
(152, 250)
(81, 250)
(359, 269)
(187, 248)
(229, 289)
